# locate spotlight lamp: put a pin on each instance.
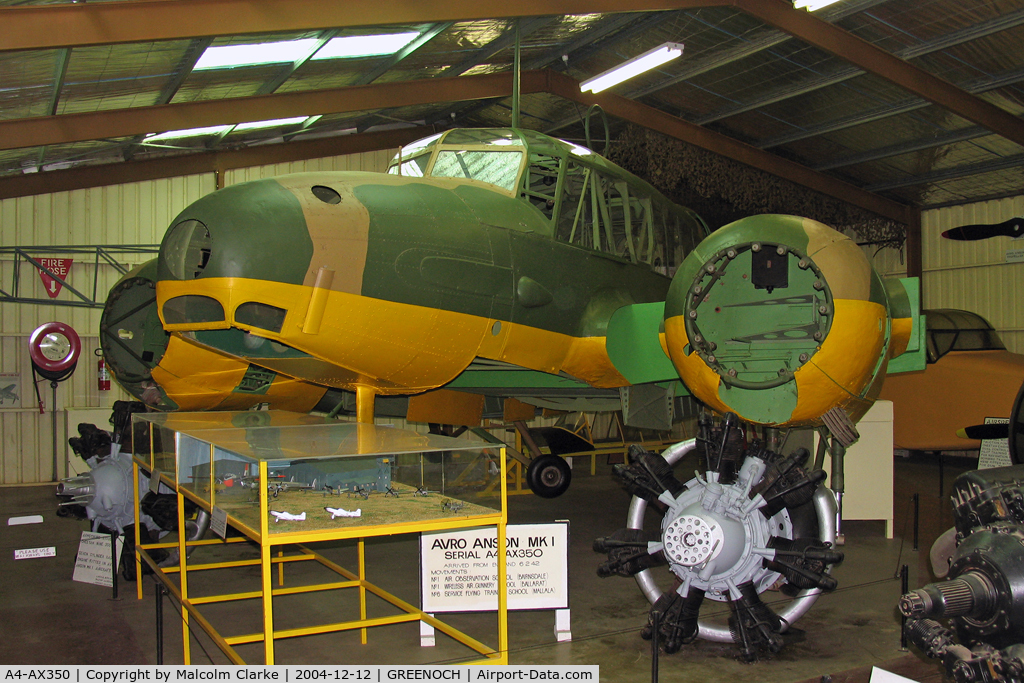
(651, 59)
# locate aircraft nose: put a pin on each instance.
(253, 230)
(131, 336)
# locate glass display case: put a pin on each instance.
(285, 478)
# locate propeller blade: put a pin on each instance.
(996, 431)
(982, 231)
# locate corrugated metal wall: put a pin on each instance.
(975, 275)
(369, 161)
(137, 213)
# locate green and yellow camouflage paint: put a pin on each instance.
(780, 319)
(504, 245)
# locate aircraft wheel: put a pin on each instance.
(548, 476)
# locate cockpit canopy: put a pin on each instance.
(581, 197)
(951, 329)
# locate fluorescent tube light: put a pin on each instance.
(365, 46)
(272, 123)
(229, 56)
(638, 65)
(217, 130)
(811, 5)
(187, 133)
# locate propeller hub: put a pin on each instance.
(691, 541)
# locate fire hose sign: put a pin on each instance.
(459, 569)
(59, 267)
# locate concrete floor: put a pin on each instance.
(48, 619)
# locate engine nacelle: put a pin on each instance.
(782, 319)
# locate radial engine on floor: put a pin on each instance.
(752, 521)
(105, 495)
(981, 604)
(974, 621)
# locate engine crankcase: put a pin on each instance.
(716, 539)
(711, 535)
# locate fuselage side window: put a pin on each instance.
(410, 167)
(612, 216)
(572, 219)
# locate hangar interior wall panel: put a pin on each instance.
(888, 262)
(368, 161)
(975, 276)
(135, 213)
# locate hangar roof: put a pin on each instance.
(882, 103)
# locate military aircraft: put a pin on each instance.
(8, 394)
(507, 262)
(503, 249)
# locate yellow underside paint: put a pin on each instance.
(588, 360)
(836, 375)
(393, 347)
(196, 378)
(841, 371)
(701, 380)
(447, 407)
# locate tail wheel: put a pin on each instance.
(548, 476)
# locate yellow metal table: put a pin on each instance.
(245, 465)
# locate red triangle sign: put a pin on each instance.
(59, 267)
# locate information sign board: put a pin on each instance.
(93, 564)
(459, 569)
(59, 267)
(994, 452)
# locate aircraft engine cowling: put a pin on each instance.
(780, 320)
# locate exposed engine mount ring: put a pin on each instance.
(825, 507)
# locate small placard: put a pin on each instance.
(459, 569)
(883, 676)
(33, 553)
(93, 564)
(1014, 255)
(27, 519)
(994, 452)
(219, 521)
(59, 267)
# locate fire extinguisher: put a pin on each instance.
(102, 374)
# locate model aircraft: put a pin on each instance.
(510, 263)
(341, 512)
(288, 517)
(7, 394)
(1013, 227)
